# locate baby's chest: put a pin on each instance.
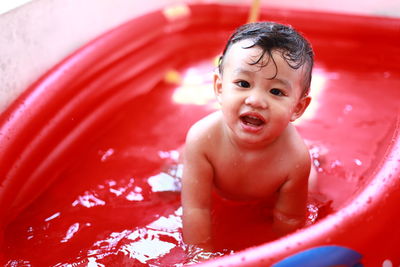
(249, 179)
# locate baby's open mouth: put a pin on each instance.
(251, 120)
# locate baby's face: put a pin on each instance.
(258, 101)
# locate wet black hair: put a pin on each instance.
(272, 36)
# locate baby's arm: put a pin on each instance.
(290, 209)
(196, 193)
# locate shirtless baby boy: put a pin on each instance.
(249, 150)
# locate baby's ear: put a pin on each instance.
(217, 86)
(300, 107)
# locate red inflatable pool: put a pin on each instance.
(89, 153)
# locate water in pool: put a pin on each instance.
(133, 220)
(118, 202)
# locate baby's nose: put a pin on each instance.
(255, 100)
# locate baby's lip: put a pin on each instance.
(254, 119)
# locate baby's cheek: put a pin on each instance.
(283, 113)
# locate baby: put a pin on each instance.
(249, 150)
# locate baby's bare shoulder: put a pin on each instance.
(203, 136)
(204, 130)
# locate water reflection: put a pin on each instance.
(71, 232)
(55, 215)
(196, 86)
(156, 240)
(167, 181)
(143, 245)
(88, 200)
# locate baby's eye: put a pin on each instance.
(277, 92)
(243, 84)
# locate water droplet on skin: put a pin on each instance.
(347, 109)
(336, 163)
(316, 163)
(386, 74)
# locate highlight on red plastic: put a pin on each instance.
(118, 105)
